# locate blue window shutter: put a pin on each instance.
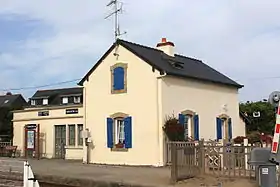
(219, 128)
(128, 132)
(110, 133)
(181, 119)
(229, 128)
(118, 78)
(196, 127)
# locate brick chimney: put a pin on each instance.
(166, 47)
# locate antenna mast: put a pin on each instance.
(116, 11)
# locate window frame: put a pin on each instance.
(65, 100)
(116, 130)
(112, 68)
(70, 139)
(116, 146)
(225, 127)
(45, 101)
(33, 102)
(190, 115)
(77, 99)
(80, 137)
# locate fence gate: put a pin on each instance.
(60, 141)
(184, 158)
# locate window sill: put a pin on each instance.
(73, 147)
(118, 91)
(119, 149)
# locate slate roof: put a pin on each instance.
(57, 92)
(54, 95)
(178, 65)
(11, 101)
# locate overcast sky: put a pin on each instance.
(50, 41)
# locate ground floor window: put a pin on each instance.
(80, 138)
(74, 135)
(71, 135)
(190, 121)
(119, 131)
(224, 127)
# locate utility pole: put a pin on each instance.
(117, 8)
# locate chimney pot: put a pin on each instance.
(166, 47)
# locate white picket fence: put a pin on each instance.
(29, 179)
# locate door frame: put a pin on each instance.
(63, 150)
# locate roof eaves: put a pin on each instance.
(97, 64)
(40, 97)
(70, 94)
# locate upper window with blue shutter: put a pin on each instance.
(119, 78)
(119, 132)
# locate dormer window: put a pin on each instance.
(64, 100)
(33, 102)
(77, 99)
(45, 101)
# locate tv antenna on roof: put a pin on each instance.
(117, 9)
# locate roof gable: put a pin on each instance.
(178, 65)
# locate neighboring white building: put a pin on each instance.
(58, 117)
(132, 88)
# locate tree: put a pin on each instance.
(265, 123)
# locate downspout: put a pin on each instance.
(159, 119)
(85, 147)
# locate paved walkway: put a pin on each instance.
(146, 176)
(11, 172)
(74, 172)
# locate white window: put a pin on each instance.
(223, 128)
(188, 126)
(33, 102)
(45, 101)
(64, 100)
(119, 131)
(77, 99)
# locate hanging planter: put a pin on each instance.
(173, 129)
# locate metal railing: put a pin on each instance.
(4, 144)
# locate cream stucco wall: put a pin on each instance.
(149, 98)
(57, 116)
(206, 99)
(242, 124)
(140, 102)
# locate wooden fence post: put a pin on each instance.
(174, 167)
(202, 156)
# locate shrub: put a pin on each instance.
(254, 137)
(239, 139)
(173, 129)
